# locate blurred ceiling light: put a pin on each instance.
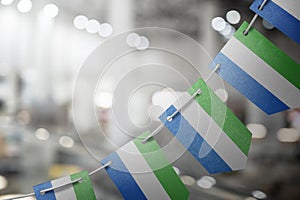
(267, 25)
(143, 43)
(210, 179)
(288, 135)
(80, 22)
(103, 100)
(137, 41)
(66, 141)
(205, 183)
(218, 23)
(3, 182)
(131, 39)
(6, 2)
(50, 10)
(92, 26)
(24, 6)
(187, 180)
(259, 194)
(164, 98)
(226, 30)
(42, 134)
(176, 170)
(258, 131)
(222, 94)
(230, 34)
(250, 198)
(105, 30)
(233, 17)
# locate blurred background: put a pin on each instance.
(43, 45)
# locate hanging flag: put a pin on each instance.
(209, 130)
(82, 190)
(283, 14)
(260, 71)
(141, 171)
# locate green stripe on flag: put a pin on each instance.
(271, 54)
(166, 175)
(83, 189)
(222, 115)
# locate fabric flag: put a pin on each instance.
(209, 130)
(141, 171)
(283, 14)
(82, 190)
(260, 71)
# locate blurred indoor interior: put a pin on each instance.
(44, 44)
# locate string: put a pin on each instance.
(156, 131)
(100, 168)
(59, 186)
(62, 185)
(212, 72)
(170, 117)
(254, 18)
(21, 197)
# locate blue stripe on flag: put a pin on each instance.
(48, 195)
(194, 143)
(279, 18)
(248, 86)
(122, 178)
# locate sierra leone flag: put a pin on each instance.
(260, 71)
(79, 190)
(209, 130)
(283, 14)
(141, 171)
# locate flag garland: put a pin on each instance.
(209, 130)
(141, 171)
(206, 127)
(260, 71)
(283, 14)
(79, 190)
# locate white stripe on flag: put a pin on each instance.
(291, 6)
(135, 162)
(216, 138)
(63, 192)
(262, 72)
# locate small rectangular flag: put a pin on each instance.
(141, 171)
(283, 14)
(260, 71)
(79, 190)
(209, 130)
